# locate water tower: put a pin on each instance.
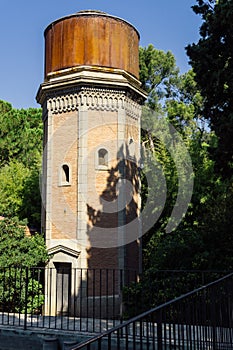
(91, 100)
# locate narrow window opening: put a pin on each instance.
(103, 157)
(65, 173)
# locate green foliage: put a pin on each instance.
(20, 280)
(184, 108)
(167, 166)
(21, 290)
(203, 240)
(19, 192)
(211, 59)
(181, 107)
(20, 158)
(158, 72)
(158, 287)
(31, 197)
(12, 177)
(20, 135)
(17, 249)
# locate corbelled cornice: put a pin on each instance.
(74, 81)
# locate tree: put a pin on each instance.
(203, 240)
(20, 134)
(19, 192)
(188, 247)
(16, 248)
(19, 278)
(12, 177)
(158, 71)
(20, 156)
(160, 77)
(20, 163)
(212, 62)
(179, 105)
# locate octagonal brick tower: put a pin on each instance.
(91, 100)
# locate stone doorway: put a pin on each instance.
(63, 288)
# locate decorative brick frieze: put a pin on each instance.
(133, 109)
(92, 99)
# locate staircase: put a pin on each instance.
(201, 319)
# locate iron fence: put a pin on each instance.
(87, 300)
(157, 287)
(201, 319)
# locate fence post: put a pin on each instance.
(50, 343)
(67, 344)
(159, 336)
(159, 331)
(26, 299)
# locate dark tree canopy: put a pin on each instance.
(212, 62)
(203, 239)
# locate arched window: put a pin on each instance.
(65, 175)
(102, 157)
(131, 146)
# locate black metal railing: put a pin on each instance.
(201, 319)
(87, 300)
(157, 287)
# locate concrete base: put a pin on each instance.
(104, 307)
(12, 338)
(50, 343)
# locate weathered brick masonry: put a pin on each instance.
(91, 101)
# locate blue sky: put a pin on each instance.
(167, 24)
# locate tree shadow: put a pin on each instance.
(114, 230)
